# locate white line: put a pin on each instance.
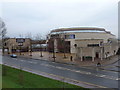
(68, 80)
(22, 60)
(100, 69)
(82, 72)
(28, 61)
(32, 62)
(102, 75)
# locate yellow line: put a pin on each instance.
(59, 77)
(78, 81)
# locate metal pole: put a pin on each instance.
(41, 51)
(53, 52)
(30, 48)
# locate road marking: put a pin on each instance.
(78, 71)
(76, 80)
(29, 61)
(108, 71)
(82, 72)
(109, 66)
(118, 79)
(32, 62)
(100, 69)
(14, 59)
(22, 60)
(68, 80)
(102, 75)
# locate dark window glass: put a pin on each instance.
(93, 45)
(72, 36)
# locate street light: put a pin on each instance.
(30, 51)
(75, 45)
(53, 51)
(41, 51)
(30, 47)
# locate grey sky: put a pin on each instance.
(41, 17)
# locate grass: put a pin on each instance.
(15, 78)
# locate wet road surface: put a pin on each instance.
(96, 76)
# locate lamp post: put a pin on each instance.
(101, 49)
(30, 51)
(53, 50)
(75, 45)
(30, 47)
(41, 51)
(64, 48)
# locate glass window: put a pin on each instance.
(93, 45)
(71, 36)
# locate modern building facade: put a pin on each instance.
(23, 45)
(17, 44)
(85, 42)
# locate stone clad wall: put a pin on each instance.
(12, 44)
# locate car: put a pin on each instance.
(13, 55)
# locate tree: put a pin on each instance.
(3, 32)
(20, 44)
(63, 43)
(29, 35)
(39, 38)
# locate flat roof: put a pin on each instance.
(78, 29)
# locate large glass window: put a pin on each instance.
(93, 45)
(54, 35)
(71, 36)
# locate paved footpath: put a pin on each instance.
(60, 58)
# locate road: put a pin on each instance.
(113, 67)
(95, 77)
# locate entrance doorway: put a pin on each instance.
(97, 55)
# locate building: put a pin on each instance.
(17, 44)
(24, 45)
(85, 42)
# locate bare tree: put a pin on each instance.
(21, 35)
(39, 38)
(29, 35)
(20, 43)
(62, 44)
(3, 32)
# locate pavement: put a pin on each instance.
(59, 57)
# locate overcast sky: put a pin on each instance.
(44, 15)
